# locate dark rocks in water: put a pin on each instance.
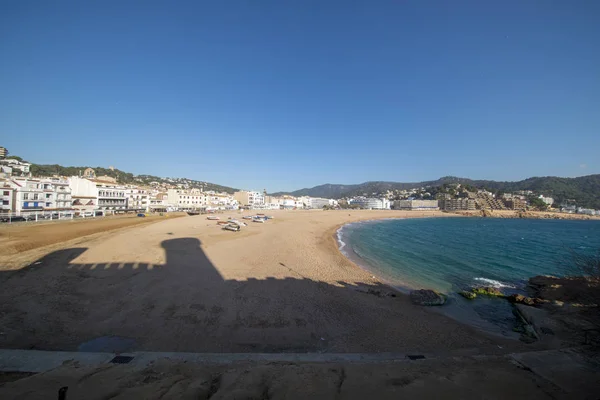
(520, 299)
(487, 291)
(467, 295)
(426, 297)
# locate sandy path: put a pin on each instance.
(187, 285)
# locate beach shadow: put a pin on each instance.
(186, 305)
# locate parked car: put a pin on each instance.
(16, 218)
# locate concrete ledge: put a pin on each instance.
(40, 361)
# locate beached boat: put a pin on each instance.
(232, 227)
(248, 217)
(262, 221)
(192, 213)
(213, 218)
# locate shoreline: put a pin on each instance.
(456, 307)
(499, 214)
(282, 286)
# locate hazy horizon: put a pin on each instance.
(288, 96)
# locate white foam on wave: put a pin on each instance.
(339, 238)
(494, 283)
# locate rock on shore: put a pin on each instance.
(426, 297)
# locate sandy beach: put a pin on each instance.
(187, 285)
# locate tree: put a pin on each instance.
(537, 203)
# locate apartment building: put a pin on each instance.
(220, 200)
(57, 194)
(137, 198)
(84, 194)
(17, 167)
(41, 194)
(416, 205)
(547, 200)
(187, 199)
(7, 198)
(515, 203)
(457, 204)
(111, 195)
(29, 195)
(371, 203)
(249, 198)
(315, 202)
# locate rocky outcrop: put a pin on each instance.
(467, 295)
(520, 299)
(574, 290)
(426, 297)
(488, 291)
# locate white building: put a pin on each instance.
(16, 165)
(29, 196)
(84, 194)
(416, 205)
(221, 201)
(371, 203)
(7, 198)
(137, 198)
(186, 199)
(319, 202)
(548, 200)
(249, 198)
(315, 202)
(57, 194)
(111, 195)
(587, 211)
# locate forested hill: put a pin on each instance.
(585, 190)
(124, 177)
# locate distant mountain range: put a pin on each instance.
(584, 190)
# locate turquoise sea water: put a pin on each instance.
(450, 254)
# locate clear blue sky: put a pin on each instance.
(289, 94)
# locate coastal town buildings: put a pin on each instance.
(249, 198)
(371, 203)
(3, 152)
(111, 196)
(515, 203)
(186, 199)
(456, 204)
(27, 195)
(547, 200)
(223, 201)
(137, 198)
(17, 168)
(7, 198)
(91, 194)
(318, 202)
(416, 205)
(84, 194)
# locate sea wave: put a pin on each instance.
(494, 283)
(341, 243)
